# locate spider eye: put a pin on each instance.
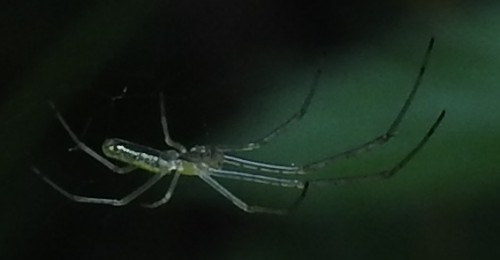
(109, 144)
(198, 149)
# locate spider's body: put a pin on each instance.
(208, 162)
(168, 161)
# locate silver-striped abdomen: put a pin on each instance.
(142, 157)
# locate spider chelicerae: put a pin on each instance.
(208, 162)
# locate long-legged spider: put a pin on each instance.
(207, 162)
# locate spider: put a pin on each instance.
(208, 162)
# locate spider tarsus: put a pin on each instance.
(51, 104)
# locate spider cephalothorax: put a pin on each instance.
(206, 154)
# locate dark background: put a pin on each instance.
(231, 71)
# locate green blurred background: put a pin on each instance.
(231, 71)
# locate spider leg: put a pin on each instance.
(389, 172)
(235, 175)
(114, 202)
(82, 146)
(280, 128)
(243, 205)
(164, 125)
(388, 135)
(262, 167)
(167, 195)
(84, 131)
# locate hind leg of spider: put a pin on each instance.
(280, 128)
(261, 166)
(280, 182)
(164, 125)
(243, 205)
(93, 200)
(385, 137)
(82, 146)
(392, 171)
(251, 177)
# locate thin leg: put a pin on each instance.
(299, 199)
(235, 175)
(113, 202)
(164, 126)
(279, 129)
(238, 202)
(384, 138)
(112, 105)
(262, 167)
(88, 150)
(167, 195)
(390, 172)
(84, 131)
